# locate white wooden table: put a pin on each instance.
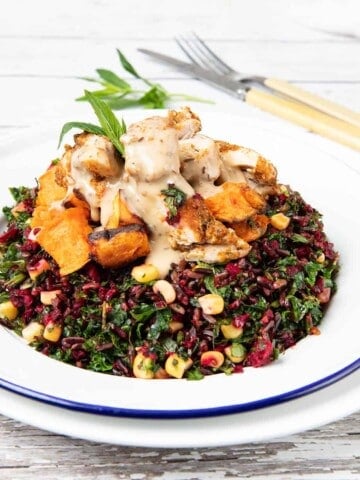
(44, 46)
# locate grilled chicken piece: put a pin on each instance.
(215, 253)
(85, 168)
(198, 232)
(264, 172)
(95, 154)
(151, 149)
(254, 167)
(230, 156)
(231, 174)
(200, 163)
(185, 122)
(236, 156)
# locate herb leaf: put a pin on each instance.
(161, 324)
(87, 127)
(154, 98)
(174, 198)
(113, 79)
(143, 312)
(121, 102)
(20, 194)
(111, 126)
(128, 67)
(296, 237)
(101, 93)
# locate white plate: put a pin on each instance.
(310, 411)
(314, 363)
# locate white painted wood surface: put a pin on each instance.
(44, 46)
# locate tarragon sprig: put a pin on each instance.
(110, 126)
(120, 94)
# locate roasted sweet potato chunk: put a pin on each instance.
(64, 236)
(49, 190)
(115, 247)
(64, 231)
(75, 200)
(235, 202)
(252, 228)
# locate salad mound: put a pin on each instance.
(183, 257)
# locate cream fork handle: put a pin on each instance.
(307, 117)
(313, 100)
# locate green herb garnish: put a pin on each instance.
(174, 198)
(110, 126)
(120, 94)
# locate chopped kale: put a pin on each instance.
(276, 296)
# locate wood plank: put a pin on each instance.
(256, 19)
(330, 452)
(331, 61)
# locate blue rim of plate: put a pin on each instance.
(183, 413)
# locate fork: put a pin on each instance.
(199, 53)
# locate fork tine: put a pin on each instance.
(183, 43)
(198, 52)
(211, 56)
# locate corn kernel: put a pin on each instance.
(145, 273)
(32, 331)
(279, 221)
(143, 367)
(52, 332)
(212, 358)
(230, 331)
(321, 258)
(176, 366)
(8, 310)
(46, 298)
(235, 353)
(211, 304)
(175, 326)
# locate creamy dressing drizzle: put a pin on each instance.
(231, 174)
(146, 201)
(84, 184)
(112, 187)
(152, 164)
